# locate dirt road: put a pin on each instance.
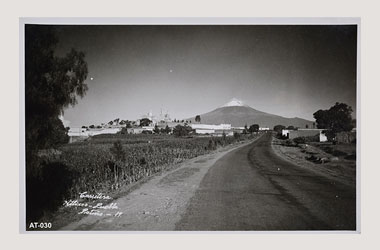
(246, 188)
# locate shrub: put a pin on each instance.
(299, 140)
(46, 190)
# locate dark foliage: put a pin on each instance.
(254, 128)
(156, 129)
(198, 118)
(47, 188)
(51, 84)
(145, 122)
(180, 130)
(278, 128)
(334, 120)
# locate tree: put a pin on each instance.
(278, 128)
(156, 129)
(167, 130)
(145, 122)
(198, 118)
(254, 128)
(245, 131)
(128, 124)
(51, 84)
(92, 126)
(291, 128)
(334, 120)
(180, 130)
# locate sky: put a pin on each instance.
(287, 70)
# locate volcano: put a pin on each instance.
(236, 113)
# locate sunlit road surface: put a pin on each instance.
(251, 188)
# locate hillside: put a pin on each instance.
(237, 114)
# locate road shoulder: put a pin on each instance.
(338, 171)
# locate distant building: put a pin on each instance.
(238, 130)
(263, 129)
(77, 134)
(140, 130)
(291, 134)
(216, 130)
(162, 117)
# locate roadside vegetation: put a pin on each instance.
(336, 157)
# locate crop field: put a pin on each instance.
(108, 162)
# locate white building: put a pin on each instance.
(291, 134)
(263, 129)
(212, 129)
(76, 133)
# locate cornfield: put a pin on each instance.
(107, 163)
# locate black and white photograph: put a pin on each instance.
(191, 127)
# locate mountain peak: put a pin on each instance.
(234, 102)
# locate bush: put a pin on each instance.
(290, 143)
(237, 136)
(299, 140)
(47, 189)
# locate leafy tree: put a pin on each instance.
(145, 122)
(92, 126)
(245, 131)
(254, 128)
(278, 128)
(51, 84)
(110, 123)
(156, 129)
(128, 124)
(167, 130)
(334, 120)
(180, 130)
(291, 128)
(198, 118)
